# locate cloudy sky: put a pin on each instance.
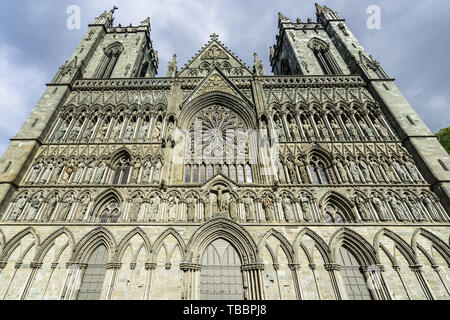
(412, 43)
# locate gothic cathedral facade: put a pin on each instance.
(220, 182)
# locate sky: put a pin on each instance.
(411, 44)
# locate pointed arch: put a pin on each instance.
(320, 244)
(15, 241)
(91, 241)
(340, 202)
(237, 236)
(437, 243)
(121, 248)
(400, 244)
(355, 243)
(50, 241)
(285, 244)
(160, 241)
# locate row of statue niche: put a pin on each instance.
(222, 203)
(108, 131)
(294, 132)
(354, 171)
(93, 172)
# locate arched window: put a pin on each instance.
(248, 174)
(110, 213)
(323, 55)
(187, 173)
(333, 215)
(94, 276)
(195, 173)
(202, 173)
(318, 169)
(122, 168)
(354, 281)
(109, 60)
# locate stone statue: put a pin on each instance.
(359, 203)
(135, 208)
(129, 132)
(142, 135)
(269, 211)
(397, 209)
(323, 130)
(292, 173)
(309, 131)
(55, 176)
(154, 208)
(354, 171)
(190, 205)
(414, 207)
(135, 173)
(100, 171)
(116, 131)
(379, 209)
(65, 208)
(337, 130)
(74, 133)
(367, 130)
(172, 209)
(306, 208)
(365, 171)
(35, 204)
(50, 209)
(233, 208)
(103, 130)
(351, 129)
(157, 171)
(376, 170)
(287, 209)
(18, 208)
(294, 130)
(401, 172)
(388, 172)
(79, 172)
(147, 172)
(35, 171)
(88, 132)
(156, 134)
(342, 172)
(170, 128)
(89, 173)
(249, 208)
(82, 208)
(281, 132)
(429, 204)
(61, 132)
(142, 211)
(382, 131)
(47, 172)
(412, 171)
(303, 174)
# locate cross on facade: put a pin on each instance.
(214, 36)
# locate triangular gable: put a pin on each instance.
(214, 53)
(216, 81)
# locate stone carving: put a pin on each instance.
(303, 174)
(35, 171)
(18, 208)
(172, 209)
(287, 209)
(323, 130)
(359, 203)
(351, 129)
(73, 135)
(429, 203)
(232, 206)
(280, 129)
(154, 208)
(309, 131)
(376, 170)
(115, 133)
(354, 171)
(268, 208)
(89, 173)
(100, 171)
(249, 205)
(65, 209)
(306, 207)
(367, 130)
(291, 170)
(397, 208)
(388, 172)
(45, 176)
(414, 207)
(135, 208)
(129, 132)
(294, 130)
(61, 132)
(87, 133)
(379, 209)
(157, 171)
(142, 135)
(191, 205)
(50, 209)
(337, 130)
(147, 172)
(342, 172)
(82, 207)
(412, 171)
(382, 131)
(365, 171)
(400, 171)
(156, 134)
(55, 176)
(35, 205)
(79, 172)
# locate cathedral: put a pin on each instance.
(218, 181)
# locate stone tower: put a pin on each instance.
(218, 181)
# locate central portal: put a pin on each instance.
(221, 276)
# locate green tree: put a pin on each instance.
(444, 138)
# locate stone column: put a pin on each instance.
(336, 280)
(75, 272)
(295, 277)
(112, 267)
(253, 286)
(190, 281)
(417, 269)
(149, 266)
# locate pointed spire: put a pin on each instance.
(319, 8)
(282, 17)
(145, 22)
(172, 68)
(214, 37)
(258, 66)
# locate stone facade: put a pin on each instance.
(218, 181)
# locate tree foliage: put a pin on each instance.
(444, 138)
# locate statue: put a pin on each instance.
(79, 172)
(377, 171)
(337, 130)
(280, 128)
(89, 173)
(268, 210)
(88, 132)
(382, 131)
(397, 209)
(55, 176)
(154, 208)
(143, 133)
(306, 208)
(100, 171)
(359, 203)
(170, 128)
(50, 209)
(135, 172)
(147, 171)
(379, 209)
(35, 171)
(287, 209)
(388, 172)
(354, 171)
(172, 209)
(365, 171)
(303, 174)
(47, 172)
(116, 131)
(294, 130)
(351, 129)
(414, 207)
(232, 206)
(428, 203)
(412, 171)
(401, 172)
(35, 204)
(129, 132)
(367, 130)
(82, 208)
(292, 173)
(103, 130)
(61, 132)
(142, 211)
(72, 137)
(323, 130)
(156, 134)
(190, 204)
(135, 208)
(18, 208)
(342, 172)
(309, 131)
(249, 208)
(65, 208)
(157, 172)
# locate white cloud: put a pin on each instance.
(19, 87)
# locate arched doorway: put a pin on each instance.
(221, 276)
(94, 276)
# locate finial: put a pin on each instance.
(146, 21)
(272, 52)
(113, 9)
(282, 16)
(214, 36)
(299, 20)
